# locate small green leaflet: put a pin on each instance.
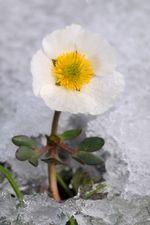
(70, 134)
(34, 161)
(79, 178)
(72, 221)
(88, 158)
(25, 153)
(91, 144)
(22, 140)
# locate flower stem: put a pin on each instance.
(52, 174)
(53, 182)
(55, 122)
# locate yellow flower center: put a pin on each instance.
(72, 70)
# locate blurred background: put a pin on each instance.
(125, 24)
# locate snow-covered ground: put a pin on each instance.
(126, 127)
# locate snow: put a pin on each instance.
(125, 24)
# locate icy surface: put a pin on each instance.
(126, 127)
(40, 210)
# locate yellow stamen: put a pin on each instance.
(72, 70)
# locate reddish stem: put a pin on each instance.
(67, 148)
(52, 174)
(43, 150)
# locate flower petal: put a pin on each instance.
(104, 90)
(41, 71)
(60, 99)
(98, 51)
(74, 38)
(60, 41)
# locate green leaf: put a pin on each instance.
(13, 184)
(88, 158)
(22, 140)
(34, 161)
(79, 178)
(91, 144)
(24, 153)
(76, 179)
(72, 221)
(98, 189)
(70, 134)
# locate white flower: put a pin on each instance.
(75, 72)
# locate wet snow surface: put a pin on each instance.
(126, 127)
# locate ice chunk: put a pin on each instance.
(7, 209)
(41, 210)
(126, 124)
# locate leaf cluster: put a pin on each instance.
(84, 153)
(27, 149)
